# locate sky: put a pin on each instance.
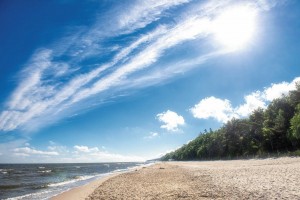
(120, 81)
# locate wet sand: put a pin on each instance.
(238, 179)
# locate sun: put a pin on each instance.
(235, 27)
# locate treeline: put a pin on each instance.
(273, 130)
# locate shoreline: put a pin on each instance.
(83, 191)
(275, 178)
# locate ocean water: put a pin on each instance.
(42, 181)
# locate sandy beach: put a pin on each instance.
(238, 179)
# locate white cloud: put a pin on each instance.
(279, 89)
(151, 135)
(33, 98)
(30, 151)
(85, 149)
(187, 30)
(38, 102)
(222, 110)
(42, 97)
(268, 4)
(92, 154)
(6, 147)
(260, 99)
(171, 120)
(252, 102)
(62, 150)
(145, 12)
(16, 152)
(212, 107)
(21, 154)
(39, 63)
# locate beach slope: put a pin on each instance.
(238, 179)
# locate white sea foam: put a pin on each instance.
(56, 188)
(141, 165)
(5, 171)
(45, 171)
(79, 178)
(53, 189)
(120, 170)
(30, 196)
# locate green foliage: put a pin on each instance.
(295, 124)
(273, 131)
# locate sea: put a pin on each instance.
(43, 181)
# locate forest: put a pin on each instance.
(271, 131)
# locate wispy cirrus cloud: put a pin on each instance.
(57, 79)
(144, 13)
(124, 18)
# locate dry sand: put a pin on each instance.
(239, 179)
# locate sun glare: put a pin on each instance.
(235, 27)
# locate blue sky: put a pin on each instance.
(97, 81)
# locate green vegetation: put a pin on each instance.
(273, 131)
